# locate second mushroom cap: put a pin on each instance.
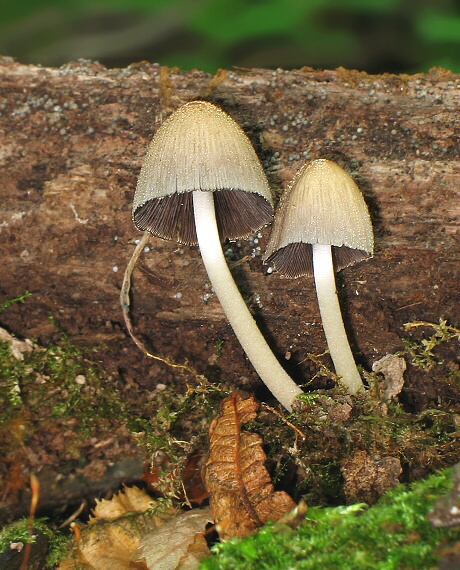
(322, 205)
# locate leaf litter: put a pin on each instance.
(134, 530)
(242, 494)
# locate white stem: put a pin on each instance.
(246, 330)
(331, 317)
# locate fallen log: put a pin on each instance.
(72, 142)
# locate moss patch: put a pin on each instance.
(393, 534)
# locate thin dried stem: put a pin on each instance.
(125, 307)
(299, 434)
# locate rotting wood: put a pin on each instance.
(71, 144)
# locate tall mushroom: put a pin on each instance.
(201, 182)
(322, 217)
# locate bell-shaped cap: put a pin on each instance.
(200, 147)
(322, 205)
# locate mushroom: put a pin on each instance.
(201, 182)
(322, 217)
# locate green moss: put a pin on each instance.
(56, 382)
(421, 351)
(59, 387)
(393, 534)
(19, 531)
(41, 396)
(426, 441)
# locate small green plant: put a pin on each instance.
(421, 352)
(5, 304)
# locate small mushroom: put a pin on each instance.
(322, 217)
(201, 182)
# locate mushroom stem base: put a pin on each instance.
(246, 330)
(329, 307)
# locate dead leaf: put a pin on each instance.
(179, 543)
(109, 545)
(162, 478)
(109, 541)
(242, 496)
(130, 500)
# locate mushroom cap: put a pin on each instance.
(322, 205)
(200, 147)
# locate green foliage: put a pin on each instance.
(229, 21)
(212, 34)
(435, 27)
(391, 535)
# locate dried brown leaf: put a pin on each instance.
(179, 543)
(130, 500)
(108, 545)
(121, 525)
(242, 495)
(162, 478)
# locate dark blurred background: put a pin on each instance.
(371, 35)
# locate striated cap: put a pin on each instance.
(200, 147)
(322, 205)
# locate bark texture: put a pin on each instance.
(72, 141)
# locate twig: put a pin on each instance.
(35, 490)
(125, 306)
(298, 432)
